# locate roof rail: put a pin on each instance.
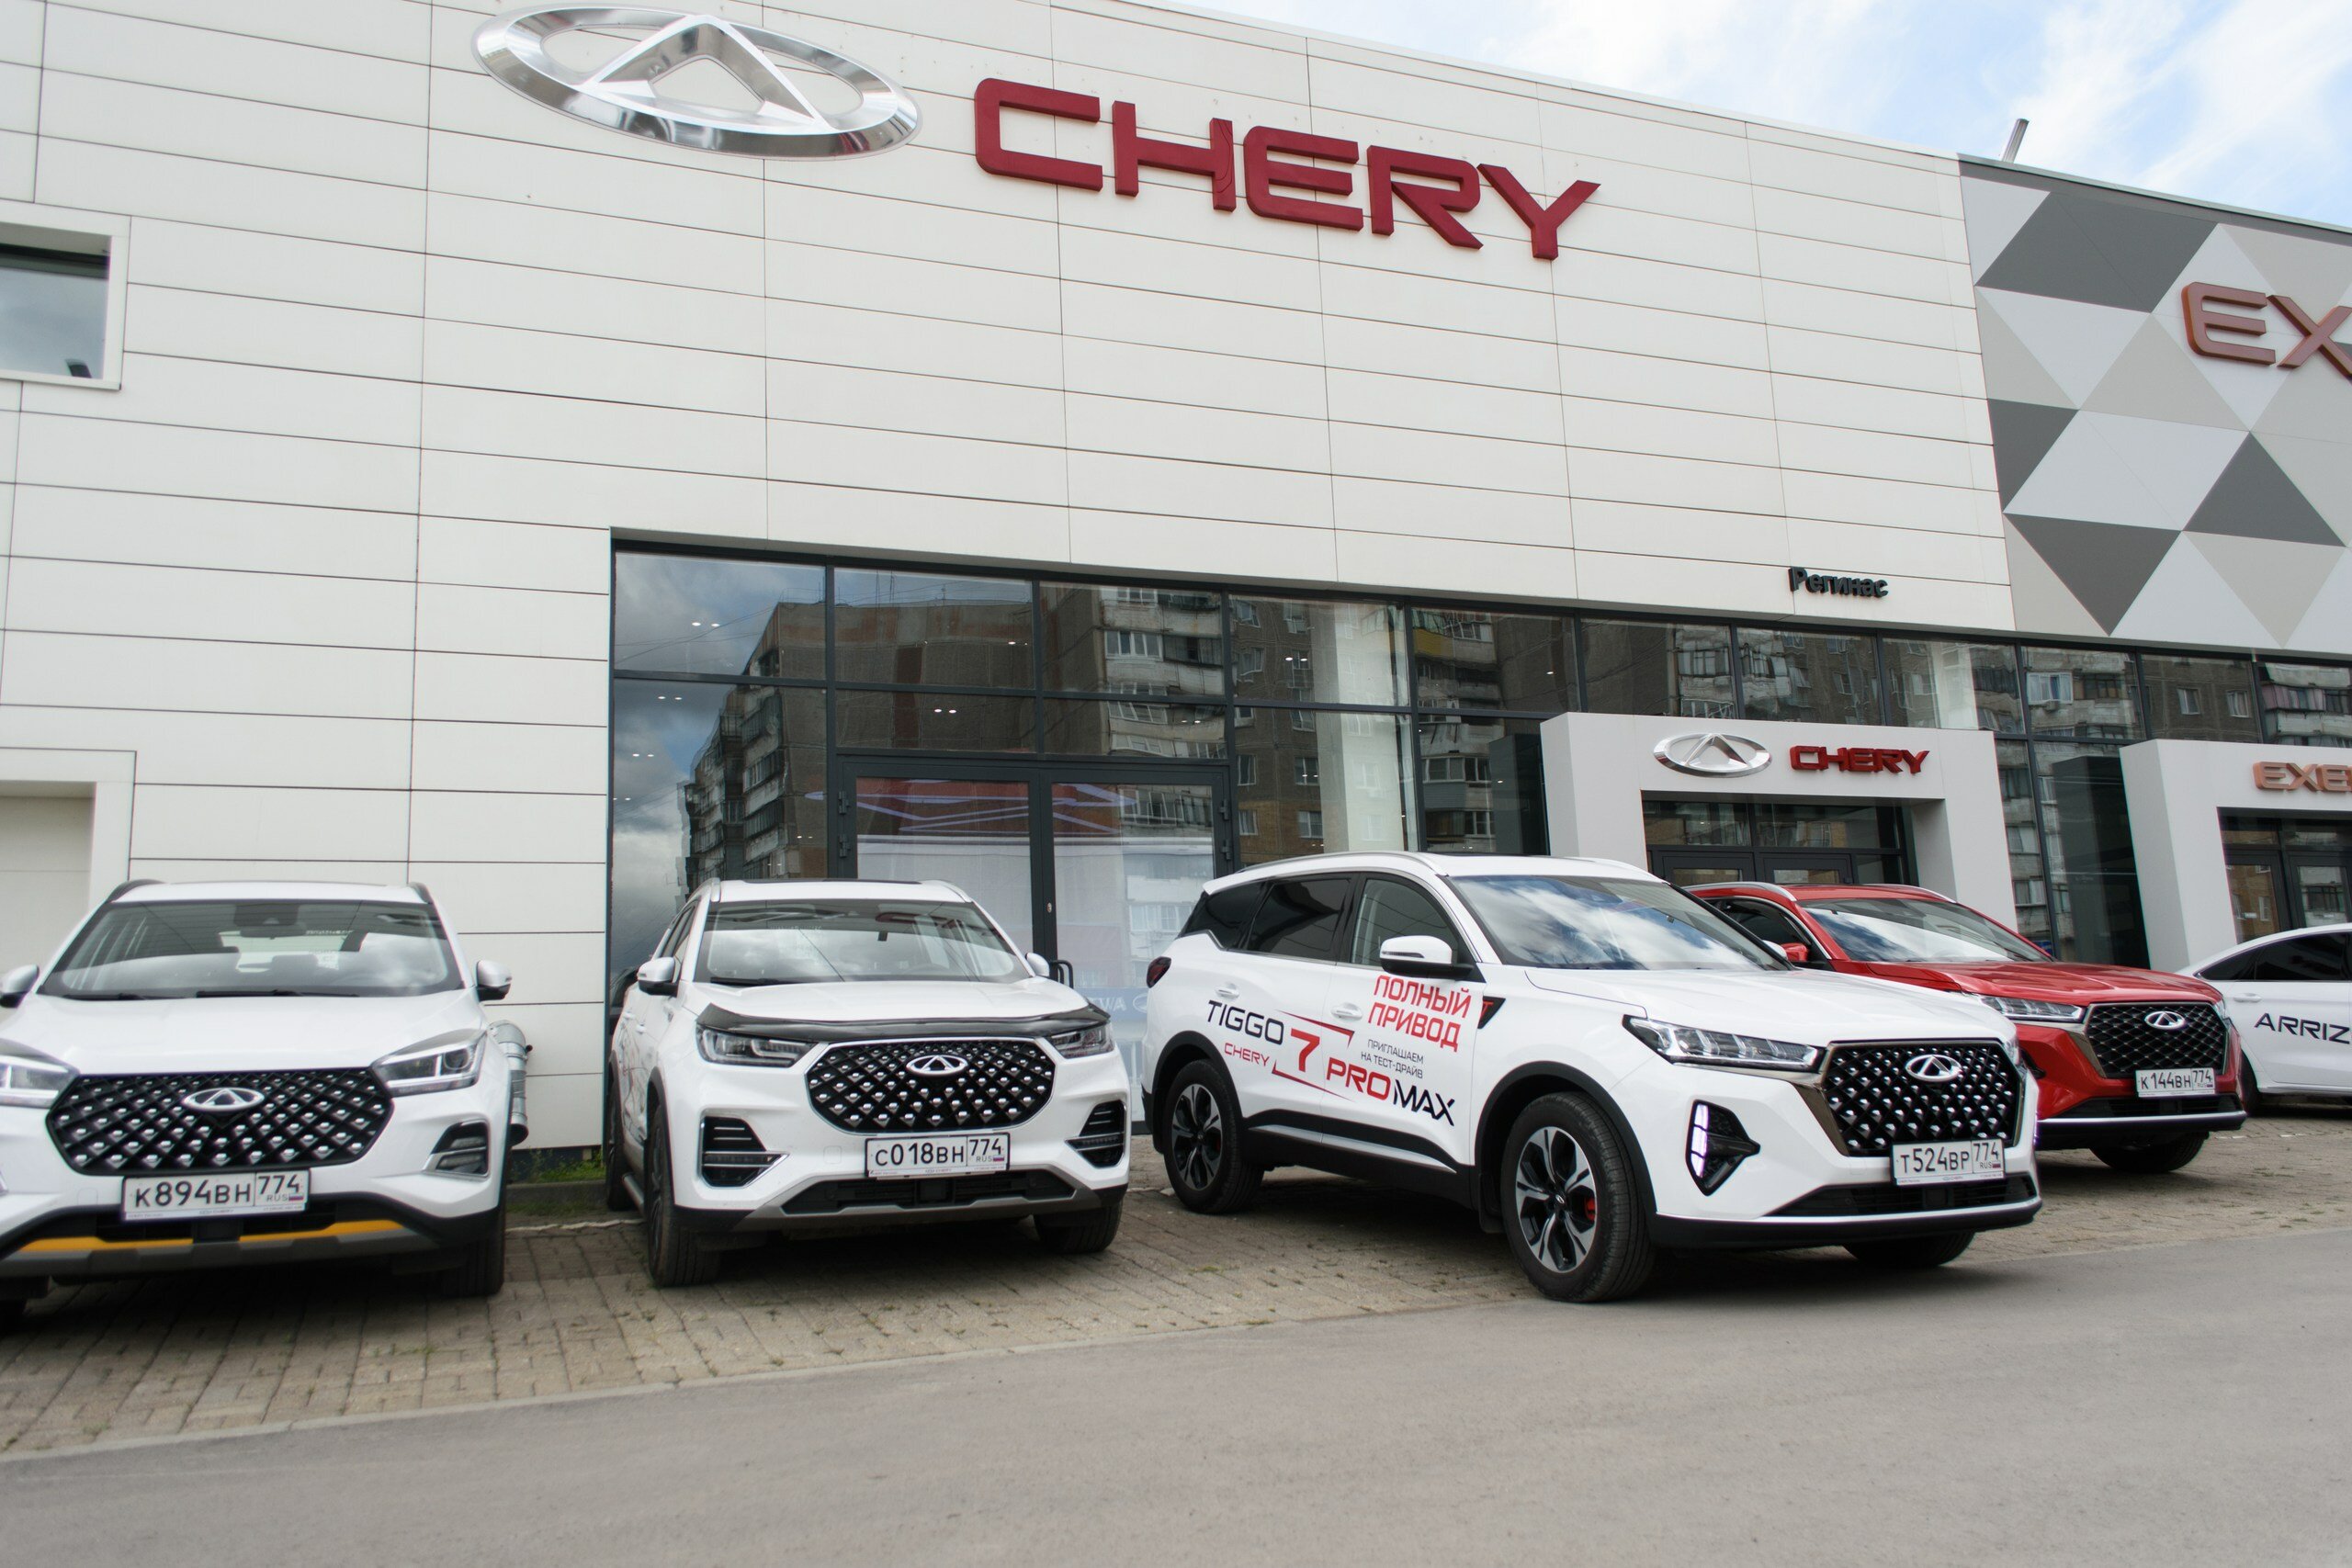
(122, 887)
(420, 891)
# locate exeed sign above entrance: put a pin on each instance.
(2317, 333)
(1271, 161)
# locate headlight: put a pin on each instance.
(2026, 1010)
(1716, 1048)
(436, 1064)
(28, 1079)
(747, 1050)
(1078, 1043)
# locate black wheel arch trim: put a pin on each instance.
(1174, 1057)
(1490, 1196)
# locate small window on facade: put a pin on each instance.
(60, 294)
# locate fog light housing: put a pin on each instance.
(1717, 1143)
(464, 1150)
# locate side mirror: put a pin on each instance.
(491, 982)
(1040, 967)
(1796, 952)
(18, 982)
(1426, 955)
(658, 977)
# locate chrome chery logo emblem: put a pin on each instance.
(224, 1099)
(1933, 1067)
(1712, 755)
(2169, 1022)
(624, 93)
(937, 1066)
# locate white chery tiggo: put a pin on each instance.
(1596, 1065)
(2290, 995)
(804, 1057)
(246, 1072)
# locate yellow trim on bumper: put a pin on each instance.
(95, 1244)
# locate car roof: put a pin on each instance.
(1807, 892)
(1342, 862)
(240, 892)
(746, 891)
(2338, 928)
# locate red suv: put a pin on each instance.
(2135, 1067)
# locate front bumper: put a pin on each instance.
(2082, 1108)
(1799, 1189)
(58, 1223)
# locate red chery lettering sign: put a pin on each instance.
(2196, 308)
(2322, 778)
(1854, 760)
(1271, 163)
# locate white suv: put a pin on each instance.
(804, 1057)
(1596, 1065)
(246, 1072)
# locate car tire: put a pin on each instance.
(1571, 1208)
(1070, 1236)
(616, 1196)
(478, 1267)
(671, 1256)
(2154, 1159)
(2250, 1093)
(1204, 1138)
(1912, 1251)
(12, 1316)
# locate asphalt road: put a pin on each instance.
(2188, 1404)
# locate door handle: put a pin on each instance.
(1348, 1011)
(1228, 991)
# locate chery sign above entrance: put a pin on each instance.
(1271, 163)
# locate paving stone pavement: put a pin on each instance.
(220, 1351)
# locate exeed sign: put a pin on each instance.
(1272, 161)
(2321, 778)
(2196, 302)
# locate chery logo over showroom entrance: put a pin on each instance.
(532, 50)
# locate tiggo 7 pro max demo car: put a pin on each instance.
(1596, 1064)
(2136, 1065)
(803, 1056)
(253, 1072)
(2290, 995)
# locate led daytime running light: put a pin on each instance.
(2025, 1010)
(747, 1050)
(1092, 1040)
(1721, 1048)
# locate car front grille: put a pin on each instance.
(1858, 1202)
(928, 1192)
(1877, 1103)
(130, 1125)
(2123, 1042)
(875, 1087)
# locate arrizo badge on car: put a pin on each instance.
(624, 92)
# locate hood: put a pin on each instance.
(894, 1001)
(2077, 983)
(1811, 1007)
(233, 1033)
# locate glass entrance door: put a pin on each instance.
(1094, 867)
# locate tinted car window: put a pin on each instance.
(1765, 922)
(2303, 959)
(1300, 920)
(1389, 908)
(1224, 915)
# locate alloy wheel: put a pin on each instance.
(1559, 1207)
(1196, 1136)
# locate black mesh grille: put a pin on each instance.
(1877, 1103)
(2124, 1042)
(105, 1126)
(876, 1089)
(1831, 1202)
(935, 1192)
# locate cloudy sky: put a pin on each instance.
(2247, 102)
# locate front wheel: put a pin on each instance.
(1204, 1163)
(671, 1256)
(2250, 1092)
(2154, 1159)
(1571, 1211)
(1912, 1251)
(1072, 1235)
(616, 1198)
(480, 1267)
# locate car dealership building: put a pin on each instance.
(536, 464)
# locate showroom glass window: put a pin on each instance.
(1955, 685)
(2200, 699)
(2305, 705)
(1823, 677)
(1659, 667)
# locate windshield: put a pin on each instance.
(278, 947)
(1601, 922)
(783, 944)
(1915, 931)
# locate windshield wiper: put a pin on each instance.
(121, 996)
(280, 991)
(760, 980)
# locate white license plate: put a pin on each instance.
(962, 1154)
(209, 1197)
(1935, 1165)
(2172, 1083)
